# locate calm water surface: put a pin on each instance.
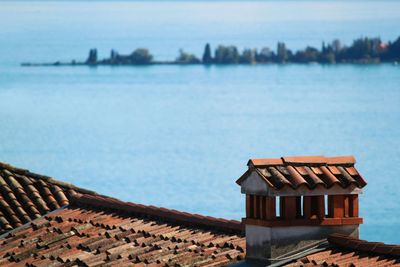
(180, 136)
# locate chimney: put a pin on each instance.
(293, 202)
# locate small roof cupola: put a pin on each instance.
(294, 202)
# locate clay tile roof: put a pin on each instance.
(183, 218)
(341, 160)
(348, 251)
(265, 162)
(25, 196)
(48, 222)
(309, 171)
(347, 242)
(96, 230)
(305, 160)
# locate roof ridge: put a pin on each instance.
(98, 201)
(294, 160)
(26, 172)
(348, 242)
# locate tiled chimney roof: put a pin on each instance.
(308, 171)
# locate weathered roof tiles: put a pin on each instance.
(348, 251)
(95, 230)
(25, 196)
(106, 203)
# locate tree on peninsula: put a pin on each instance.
(207, 57)
(186, 58)
(226, 55)
(363, 50)
(141, 56)
(248, 56)
(92, 58)
(282, 54)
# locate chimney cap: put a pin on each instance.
(309, 172)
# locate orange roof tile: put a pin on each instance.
(265, 162)
(96, 230)
(305, 160)
(341, 160)
(348, 251)
(157, 213)
(306, 170)
(25, 196)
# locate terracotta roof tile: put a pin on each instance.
(305, 160)
(25, 196)
(155, 212)
(96, 230)
(343, 160)
(265, 162)
(295, 177)
(309, 171)
(312, 178)
(348, 251)
(73, 226)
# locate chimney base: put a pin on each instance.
(266, 243)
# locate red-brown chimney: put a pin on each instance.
(292, 202)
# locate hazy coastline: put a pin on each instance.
(361, 51)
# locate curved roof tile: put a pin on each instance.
(97, 230)
(344, 251)
(25, 196)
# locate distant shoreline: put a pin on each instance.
(362, 51)
(82, 64)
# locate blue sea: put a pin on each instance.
(179, 136)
